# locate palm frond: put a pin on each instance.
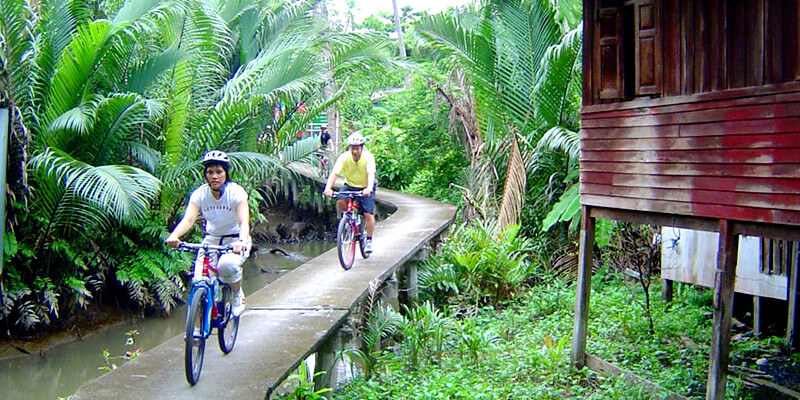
(178, 111)
(15, 48)
(553, 88)
(350, 52)
(116, 191)
(514, 189)
(207, 41)
(275, 28)
(57, 25)
(146, 72)
(73, 72)
(562, 139)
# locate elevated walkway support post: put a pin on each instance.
(583, 287)
(326, 362)
(723, 310)
(390, 292)
(409, 285)
(792, 334)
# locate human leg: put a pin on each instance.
(230, 272)
(367, 205)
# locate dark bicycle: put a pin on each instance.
(351, 230)
(209, 307)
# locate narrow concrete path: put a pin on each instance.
(285, 322)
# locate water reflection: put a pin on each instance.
(61, 371)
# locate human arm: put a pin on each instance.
(243, 216)
(370, 176)
(188, 220)
(337, 169)
(329, 185)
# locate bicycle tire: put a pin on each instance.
(195, 338)
(229, 328)
(362, 237)
(345, 245)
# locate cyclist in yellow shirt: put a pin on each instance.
(358, 167)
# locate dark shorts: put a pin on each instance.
(367, 204)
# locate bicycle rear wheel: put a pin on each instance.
(226, 333)
(195, 339)
(345, 243)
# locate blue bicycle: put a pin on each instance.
(209, 307)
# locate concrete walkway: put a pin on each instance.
(285, 322)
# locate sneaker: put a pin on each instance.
(368, 246)
(238, 304)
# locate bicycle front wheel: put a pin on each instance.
(195, 337)
(345, 243)
(362, 236)
(226, 333)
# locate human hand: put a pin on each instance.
(328, 193)
(173, 242)
(366, 192)
(239, 247)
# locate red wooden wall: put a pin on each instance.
(692, 108)
(733, 154)
(657, 48)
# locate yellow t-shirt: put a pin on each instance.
(355, 173)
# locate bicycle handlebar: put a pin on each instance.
(209, 248)
(347, 194)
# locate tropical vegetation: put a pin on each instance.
(112, 104)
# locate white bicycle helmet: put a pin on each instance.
(356, 140)
(216, 157)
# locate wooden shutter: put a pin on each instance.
(608, 50)
(648, 48)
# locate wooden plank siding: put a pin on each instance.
(640, 49)
(728, 154)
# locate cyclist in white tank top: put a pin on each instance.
(224, 206)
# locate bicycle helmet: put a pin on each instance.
(356, 140)
(216, 157)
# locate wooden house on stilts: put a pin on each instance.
(691, 119)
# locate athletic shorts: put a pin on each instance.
(366, 204)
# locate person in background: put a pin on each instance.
(324, 137)
(223, 204)
(358, 166)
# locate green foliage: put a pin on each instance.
(112, 105)
(408, 137)
(567, 208)
(304, 389)
(481, 264)
(523, 350)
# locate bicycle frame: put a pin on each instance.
(352, 212)
(211, 316)
(352, 209)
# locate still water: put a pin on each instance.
(59, 372)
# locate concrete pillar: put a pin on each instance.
(409, 285)
(325, 362)
(389, 293)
